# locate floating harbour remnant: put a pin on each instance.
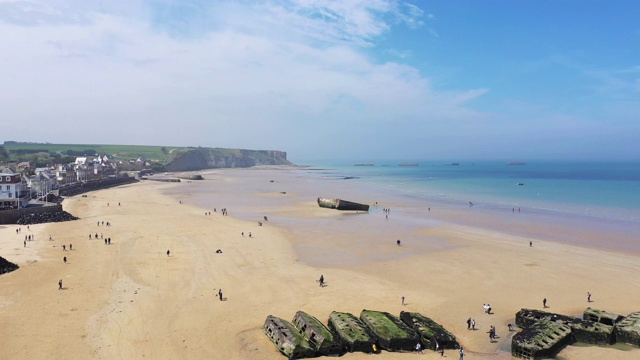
(392, 334)
(353, 333)
(586, 331)
(339, 204)
(628, 329)
(287, 338)
(544, 338)
(319, 336)
(430, 332)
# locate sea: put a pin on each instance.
(592, 204)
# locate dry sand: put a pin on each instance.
(129, 300)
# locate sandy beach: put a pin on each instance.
(130, 300)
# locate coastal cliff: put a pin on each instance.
(199, 159)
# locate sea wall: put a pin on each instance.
(12, 216)
(105, 183)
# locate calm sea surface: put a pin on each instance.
(594, 189)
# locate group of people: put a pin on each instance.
(103, 224)
(471, 324)
(492, 333)
(487, 308)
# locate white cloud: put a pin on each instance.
(274, 75)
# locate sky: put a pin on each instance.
(320, 79)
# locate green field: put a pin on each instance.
(119, 152)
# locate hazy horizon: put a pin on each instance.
(381, 79)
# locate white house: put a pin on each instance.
(13, 193)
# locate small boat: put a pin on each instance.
(339, 204)
(520, 184)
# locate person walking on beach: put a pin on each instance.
(473, 324)
(461, 353)
(469, 324)
(168, 252)
(64, 248)
(60, 284)
(398, 242)
(220, 294)
(588, 297)
(544, 303)
(25, 243)
(71, 247)
(321, 281)
(530, 243)
(64, 259)
(403, 304)
(419, 348)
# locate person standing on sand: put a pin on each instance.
(25, 243)
(588, 297)
(530, 243)
(64, 247)
(168, 252)
(473, 324)
(403, 304)
(544, 303)
(220, 294)
(419, 348)
(469, 324)
(461, 353)
(64, 259)
(60, 284)
(71, 247)
(321, 281)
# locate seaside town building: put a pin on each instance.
(13, 194)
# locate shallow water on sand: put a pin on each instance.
(288, 198)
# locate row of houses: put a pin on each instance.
(18, 187)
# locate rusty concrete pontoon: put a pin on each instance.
(430, 332)
(628, 329)
(544, 338)
(287, 338)
(392, 334)
(585, 331)
(354, 333)
(318, 335)
(339, 204)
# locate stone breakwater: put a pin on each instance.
(81, 188)
(41, 218)
(6, 266)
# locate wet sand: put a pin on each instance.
(130, 300)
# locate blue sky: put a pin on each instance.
(366, 79)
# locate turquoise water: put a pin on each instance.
(607, 190)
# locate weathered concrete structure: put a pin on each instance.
(318, 335)
(430, 332)
(392, 334)
(601, 316)
(544, 338)
(352, 332)
(339, 204)
(585, 331)
(628, 329)
(287, 338)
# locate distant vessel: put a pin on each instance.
(516, 163)
(363, 164)
(520, 184)
(408, 164)
(455, 164)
